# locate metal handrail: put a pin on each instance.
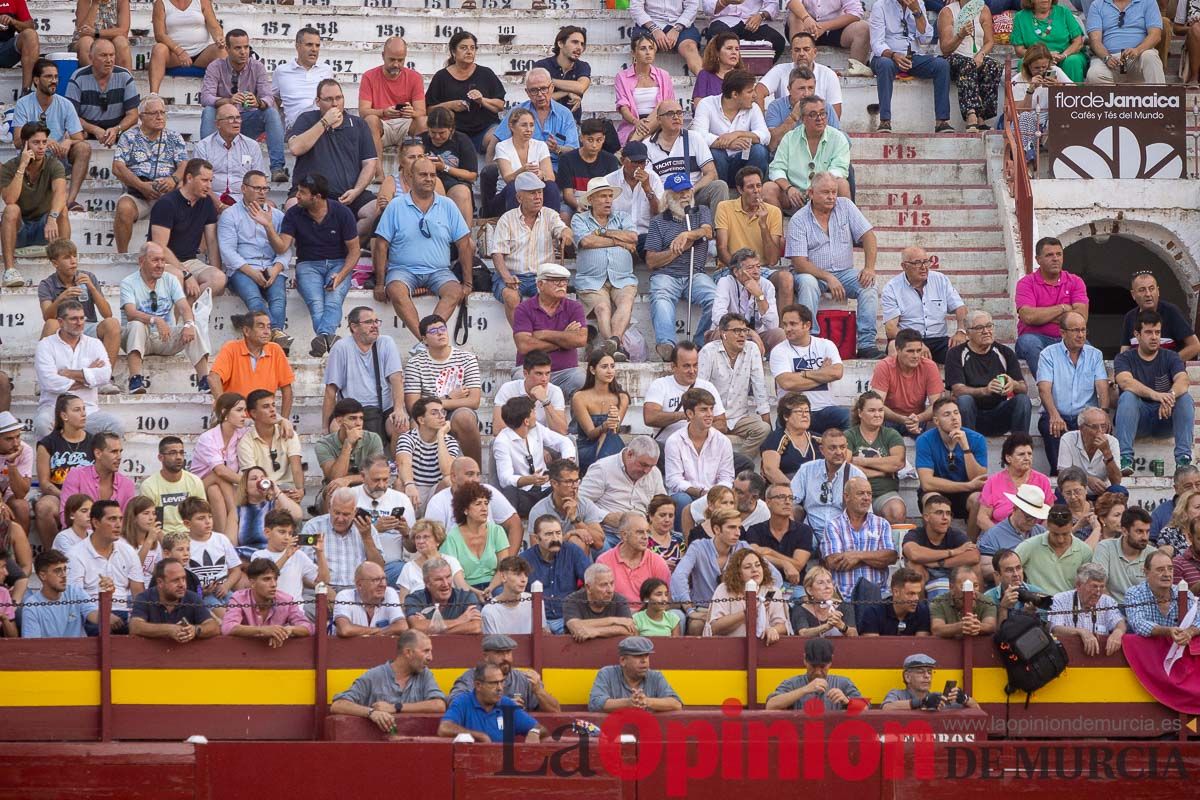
(1016, 172)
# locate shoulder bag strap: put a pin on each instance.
(378, 376)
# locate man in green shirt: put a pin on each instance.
(806, 151)
(1052, 558)
(947, 619)
(34, 189)
(343, 452)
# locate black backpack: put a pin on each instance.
(1030, 655)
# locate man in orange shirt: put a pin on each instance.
(253, 362)
(391, 99)
(909, 384)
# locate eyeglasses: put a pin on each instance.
(333, 99)
(1075, 330)
(230, 118)
(804, 412)
(255, 187)
(1095, 426)
(738, 331)
(233, 84)
(952, 461)
(904, 25)
(368, 322)
(677, 113)
(988, 327)
(275, 460)
(537, 89)
(154, 113)
(434, 329)
(917, 262)
(567, 482)
(423, 227)
(104, 102)
(817, 114)
(529, 462)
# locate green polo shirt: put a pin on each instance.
(329, 447)
(1049, 570)
(942, 607)
(1123, 573)
(793, 158)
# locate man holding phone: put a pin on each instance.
(391, 98)
(918, 678)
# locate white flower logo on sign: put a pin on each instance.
(1116, 153)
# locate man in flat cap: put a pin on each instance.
(523, 687)
(918, 677)
(835, 691)
(486, 715)
(631, 683)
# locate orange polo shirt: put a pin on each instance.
(239, 373)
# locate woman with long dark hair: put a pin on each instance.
(599, 409)
(67, 446)
(470, 90)
(722, 55)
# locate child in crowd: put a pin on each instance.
(296, 569)
(654, 619)
(179, 547)
(78, 510)
(510, 611)
(214, 559)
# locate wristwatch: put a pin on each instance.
(399, 707)
(53, 215)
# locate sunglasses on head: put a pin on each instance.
(153, 300)
(423, 227)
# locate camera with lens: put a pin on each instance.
(1036, 599)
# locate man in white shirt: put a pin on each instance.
(625, 481)
(734, 365)
(519, 451)
(663, 406)
(391, 512)
(809, 364)
(551, 405)
(70, 361)
(698, 456)
(370, 608)
(804, 54)
(296, 82)
(643, 193)
(734, 126)
(500, 511)
(105, 562)
(676, 149)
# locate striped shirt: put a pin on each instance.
(426, 469)
(343, 551)
(429, 378)
(840, 537)
(525, 248)
(831, 250)
(663, 230)
(1143, 612)
(103, 109)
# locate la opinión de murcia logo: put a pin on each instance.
(1116, 152)
(1114, 100)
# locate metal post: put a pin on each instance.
(535, 630)
(321, 656)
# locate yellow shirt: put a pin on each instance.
(744, 232)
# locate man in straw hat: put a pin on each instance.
(606, 242)
(1027, 519)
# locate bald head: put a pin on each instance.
(395, 53)
(463, 470)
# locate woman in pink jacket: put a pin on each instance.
(640, 88)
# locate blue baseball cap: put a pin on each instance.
(677, 182)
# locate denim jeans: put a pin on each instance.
(1011, 416)
(324, 307)
(665, 293)
(254, 122)
(809, 291)
(830, 417)
(1051, 442)
(922, 67)
(1029, 349)
(1137, 417)
(728, 166)
(273, 299)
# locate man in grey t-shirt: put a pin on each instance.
(834, 691)
(631, 683)
(366, 367)
(523, 687)
(402, 685)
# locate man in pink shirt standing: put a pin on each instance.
(1043, 297)
(909, 383)
(630, 561)
(102, 480)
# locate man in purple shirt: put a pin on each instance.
(554, 324)
(101, 480)
(245, 81)
(1043, 297)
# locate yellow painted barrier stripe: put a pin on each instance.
(694, 687)
(871, 683)
(216, 687)
(45, 688)
(1077, 685)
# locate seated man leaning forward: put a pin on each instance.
(596, 611)
(486, 714)
(631, 683)
(402, 685)
(834, 691)
(916, 694)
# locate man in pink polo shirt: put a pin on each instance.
(909, 383)
(630, 561)
(1043, 296)
(101, 480)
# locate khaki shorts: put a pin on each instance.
(394, 131)
(143, 206)
(607, 296)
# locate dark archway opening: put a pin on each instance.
(1107, 266)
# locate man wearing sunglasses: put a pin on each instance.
(1124, 37)
(104, 95)
(55, 111)
(819, 486)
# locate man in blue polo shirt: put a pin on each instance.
(486, 715)
(553, 122)
(1070, 377)
(1124, 36)
(558, 565)
(411, 249)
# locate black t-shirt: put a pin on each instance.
(966, 367)
(324, 240)
(186, 222)
(191, 608)
(791, 458)
(65, 456)
(338, 154)
(1175, 327)
(802, 618)
(799, 536)
(881, 618)
(1157, 375)
(574, 173)
(457, 151)
(477, 118)
(953, 538)
(578, 71)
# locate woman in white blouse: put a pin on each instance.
(728, 614)
(523, 153)
(519, 451)
(427, 537)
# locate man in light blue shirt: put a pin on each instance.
(606, 241)
(898, 28)
(254, 257)
(411, 248)
(56, 112)
(919, 299)
(58, 610)
(801, 84)
(1124, 37)
(818, 486)
(1070, 377)
(553, 123)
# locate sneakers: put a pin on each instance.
(283, 340)
(13, 279)
(619, 353)
(943, 127)
(202, 384)
(1183, 461)
(280, 175)
(664, 350)
(318, 347)
(1127, 466)
(884, 126)
(871, 353)
(138, 384)
(857, 69)
(110, 388)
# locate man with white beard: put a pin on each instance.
(676, 248)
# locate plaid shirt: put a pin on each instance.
(1143, 612)
(344, 552)
(841, 537)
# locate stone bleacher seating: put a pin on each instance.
(945, 193)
